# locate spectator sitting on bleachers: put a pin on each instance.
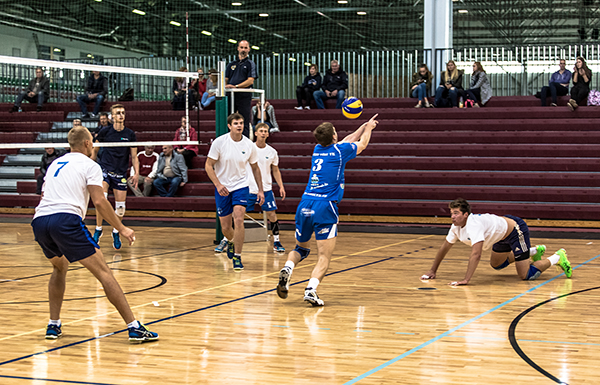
(49, 156)
(38, 91)
(311, 83)
(334, 86)
(211, 89)
(480, 89)
(582, 76)
(103, 122)
(558, 85)
(269, 118)
(96, 89)
(447, 93)
(198, 87)
(171, 171)
(419, 85)
(148, 165)
(179, 90)
(189, 151)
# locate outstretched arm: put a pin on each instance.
(439, 257)
(366, 135)
(473, 262)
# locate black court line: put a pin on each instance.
(52, 380)
(163, 281)
(513, 339)
(183, 314)
(111, 262)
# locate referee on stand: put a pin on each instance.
(241, 73)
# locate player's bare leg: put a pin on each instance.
(272, 217)
(57, 285)
(325, 249)
(99, 219)
(285, 274)
(98, 267)
(120, 196)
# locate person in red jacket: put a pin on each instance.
(189, 152)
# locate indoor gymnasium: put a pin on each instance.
(299, 192)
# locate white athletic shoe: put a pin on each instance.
(310, 296)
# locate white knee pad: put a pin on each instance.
(120, 209)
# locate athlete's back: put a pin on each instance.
(326, 181)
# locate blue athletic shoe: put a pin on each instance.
(278, 247)
(53, 332)
(230, 250)
(141, 334)
(116, 241)
(237, 264)
(222, 246)
(97, 235)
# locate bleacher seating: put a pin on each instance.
(510, 157)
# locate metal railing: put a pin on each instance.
(372, 74)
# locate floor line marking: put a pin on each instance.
(185, 313)
(452, 330)
(52, 380)
(210, 288)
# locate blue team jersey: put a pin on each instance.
(115, 159)
(326, 180)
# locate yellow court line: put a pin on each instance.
(215, 287)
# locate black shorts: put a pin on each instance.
(115, 181)
(517, 241)
(64, 234)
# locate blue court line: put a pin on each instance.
(280, 326)
(51, 380)
(362, 331)
(183, 314)
(409, 334)
(452, 330)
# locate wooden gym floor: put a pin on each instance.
(377, 327)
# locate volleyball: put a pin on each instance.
(352, 108)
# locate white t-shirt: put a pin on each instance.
(267, 157)
(488, 228)
(65, 185)
(232, 159)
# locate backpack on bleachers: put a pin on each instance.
(127, 95)
(593, 98)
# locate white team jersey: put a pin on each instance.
(267, 157)
(488, 228)
(232, 159)
(65, 185)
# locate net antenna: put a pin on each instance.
(187, 88)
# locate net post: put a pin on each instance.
(188, 80)
(221, 115)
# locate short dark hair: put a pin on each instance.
(315, 66)
(461, 204)
(234, 116)
(103, 114)
(324, 133)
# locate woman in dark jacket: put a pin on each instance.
(418, 85)
(447, 93)
(178, 92)
(582, 76)
(311, 84)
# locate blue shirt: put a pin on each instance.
(326, 180)
(565, 78)
(238, 71)
(115, 159)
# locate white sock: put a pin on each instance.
(54, 322)
(115, 231)
(554, 259)
(290, 264)
(99, 228)
(236, 255)
(533, 251)
(225, 239)
(134, 324)
(276, 238)
(313, 283)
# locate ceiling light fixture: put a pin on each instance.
(292, 59)
(206, 33)
(255, 47)
(232, 41)
(175, 23)
(263, 14)
(361, 13)
(463, 11)
(139, 12)
(342, 1)
(236, 4)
